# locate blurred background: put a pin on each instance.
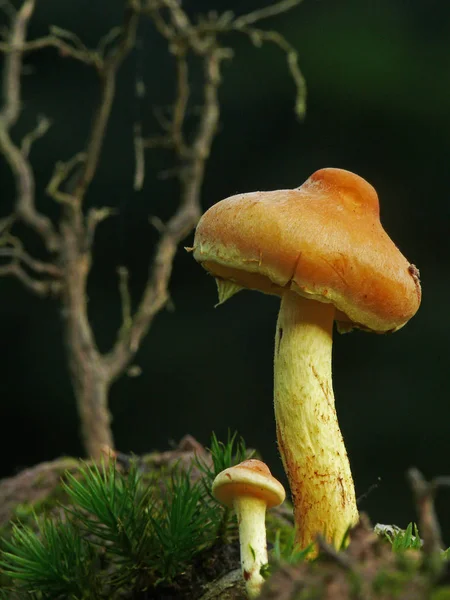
(378, 76)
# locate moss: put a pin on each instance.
(390, 582)
(443, 593)
(167, 480)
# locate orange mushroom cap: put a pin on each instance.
(323, 240)
(249, 478)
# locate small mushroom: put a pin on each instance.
(322, 249)
(250, 489)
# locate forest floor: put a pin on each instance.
(399, 565)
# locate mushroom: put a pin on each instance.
(322, 249)
(250, 489)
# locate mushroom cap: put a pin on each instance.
(249, 478)
(323, 240)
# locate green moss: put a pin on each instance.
(442, 593)
(389, 582)
(147, 527)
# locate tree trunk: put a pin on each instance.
(91, 386)
(90, 377)
(91, 392)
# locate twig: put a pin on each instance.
(424, 493)
(107, 74)
(367, 493)
(61, 172)
(94, 217)
(340, 558)
(38, 287)
(259, 37)
(87, 57)
(6, 223)
(13, 66)
(182, 98)
(42, 126)
(264, 13)
(16, 252)
(125, 299)
(139, 155)
(156, 293)
(226, 23)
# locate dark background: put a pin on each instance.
(378, 75)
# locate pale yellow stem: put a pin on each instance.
(309, 438)
(251, 515)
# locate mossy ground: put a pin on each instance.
(368, 568)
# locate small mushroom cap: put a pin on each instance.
(249, 478)
(323, 240)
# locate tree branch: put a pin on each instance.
(107, 73)
(264, 13)
(156, 293)
(42, 126)
(424, 494)
(260, 36)
(94, 217)
(53, 41)
(16, 251)
(38, 287)
(93, 372)
(24, 207)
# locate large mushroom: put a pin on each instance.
(322, 249)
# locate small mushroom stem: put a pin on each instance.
(251, 515)
(309, 438)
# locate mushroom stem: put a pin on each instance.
(251, 515)
(309, 438)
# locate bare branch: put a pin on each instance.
(125, 299)
(139, 155)
(12, 248)
(38, 287)
(179, 18)
(265, 13)
(90, 58)
(112, 35)
(164, 29)
(24, 207)
(224, 23)
(60, 175)
(42, 126)
(16, 252)
(260, 36)
(94, 217)
(92, 372)
(6, 223)
(138, 140)
(64, 34)
(182, 98)
(13, 66)
(156, 293)
(424, 493)
(174, 138)
(326, 550)
(107, 74)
